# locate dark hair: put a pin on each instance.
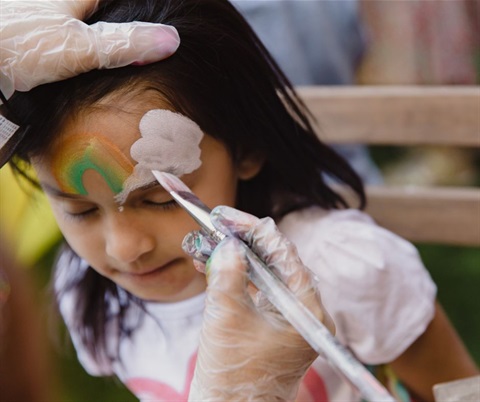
(221, 77)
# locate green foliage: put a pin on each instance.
(456, 271)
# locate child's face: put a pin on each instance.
(136, 245)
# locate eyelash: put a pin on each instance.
(86, 214)
(162, 205)
(80, 216)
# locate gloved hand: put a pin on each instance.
(46, 41)
(248, 351)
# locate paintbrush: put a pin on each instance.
(307, 325)
(10, 134)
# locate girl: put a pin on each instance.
(221, 115)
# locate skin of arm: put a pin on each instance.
(437, 356)
(25, 370)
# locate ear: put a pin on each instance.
(250, 165)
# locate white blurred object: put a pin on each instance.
(467, 389)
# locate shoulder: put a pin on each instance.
(321, 233)
(349, 235)
(372, 281)
(347, 247)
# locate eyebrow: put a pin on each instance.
(188, 182)
(58, 193)
(152, 184)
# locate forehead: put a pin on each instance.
(115, 118)
(124, 140)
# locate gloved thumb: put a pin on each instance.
(227, 269)
(136, 42)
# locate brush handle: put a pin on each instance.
(313, 330)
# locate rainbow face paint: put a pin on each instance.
(170, 142)
(81, 152)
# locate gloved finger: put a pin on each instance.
(228, 282)
(134, 42)
(228, 266)
(233, 222)
(261, 235)
(199, 266)
(228, 298)
(198, 245)
(265, 240)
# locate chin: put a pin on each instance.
(172, 295)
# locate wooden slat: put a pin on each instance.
(396, 115)
(408, 116)
(428, 215)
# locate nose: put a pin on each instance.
(127, 238)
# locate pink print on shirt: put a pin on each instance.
(312, 388)
(149, 389)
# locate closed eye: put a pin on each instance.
(81, 215)
(171, 204)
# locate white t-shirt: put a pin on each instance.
(372, 283)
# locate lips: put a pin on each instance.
(149, 271)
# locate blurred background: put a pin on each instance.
(411, 42)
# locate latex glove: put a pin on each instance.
(46, 41)
(248, 351)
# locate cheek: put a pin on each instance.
(83, 239)
(217, 179)
(221, 191)
(176, 227)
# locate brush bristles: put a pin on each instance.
(170, 182)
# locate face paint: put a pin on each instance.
(81, 152)
(169, 143)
